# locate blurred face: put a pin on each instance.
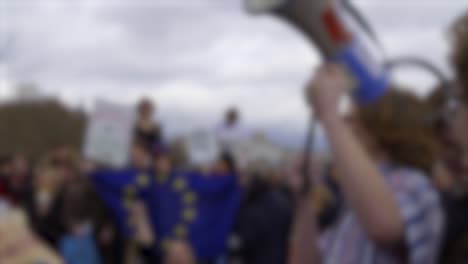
(67, 175)
(63, 154)
(48, 180)
(220, 167)
(147, 110)
(5, 169)
(442, 178)
(20, 166)
(180, 253)
(139, 157)
(232, 117)
(162, 164)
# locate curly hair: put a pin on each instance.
(459, 32)
(399, 122)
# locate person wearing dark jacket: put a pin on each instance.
(44, 205)
(455, 246)
(147, 131)
(261, 233)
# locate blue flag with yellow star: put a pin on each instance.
(118, 189)
(200, 209)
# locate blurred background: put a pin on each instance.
(163, 131)
(195, 58)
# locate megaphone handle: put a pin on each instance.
(307, 187)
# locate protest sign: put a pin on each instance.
(202, 147)
(109, 134)
(258, 151)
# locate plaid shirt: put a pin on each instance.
(421, 210)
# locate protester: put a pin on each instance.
(383, 153)
(78, 244)
(118, 189)
(261, 233)
(147, 131)
(5, 172)
(439, 110)
(230, 131)
(196, 206)
(374, 203)
(139, 156)
(63, 154)
(455, 248)
(20, 179)
(460, 57)
(110, 242)
(44, 203)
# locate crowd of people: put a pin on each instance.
(394, 190)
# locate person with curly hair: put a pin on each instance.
(384, 153)
(455, 248)
(460, 64)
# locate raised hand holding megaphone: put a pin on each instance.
(338, 37)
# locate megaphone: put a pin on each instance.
(340, 38)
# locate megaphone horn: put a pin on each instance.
(340, 39)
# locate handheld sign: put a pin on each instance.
(258, 151)
(109, 134)
(203, 148)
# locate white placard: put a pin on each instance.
(258, 151)
(109, 134)
(203, 148)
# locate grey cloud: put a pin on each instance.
(207, 49)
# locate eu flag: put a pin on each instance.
(198, 208)
(119, 189)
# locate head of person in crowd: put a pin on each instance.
(46, 185)
(20, 165)
(77, 207)
(319, 171)
(66, 161)
(259, 171)
(5, 167)
(19, 179)
(162, 163)
(460, 117)
(441, 109)
(139, 156)
(395, 129)
(147, 130)
(229, 133)
(146, 109)
(63, 153)
(179, 252)
(5, 171)
(224, 165)
(47, 175)
(232, 117)
(179, 154)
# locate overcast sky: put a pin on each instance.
(195, 57)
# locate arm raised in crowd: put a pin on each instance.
(304, 243)
(363, 185)
(304, 247)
